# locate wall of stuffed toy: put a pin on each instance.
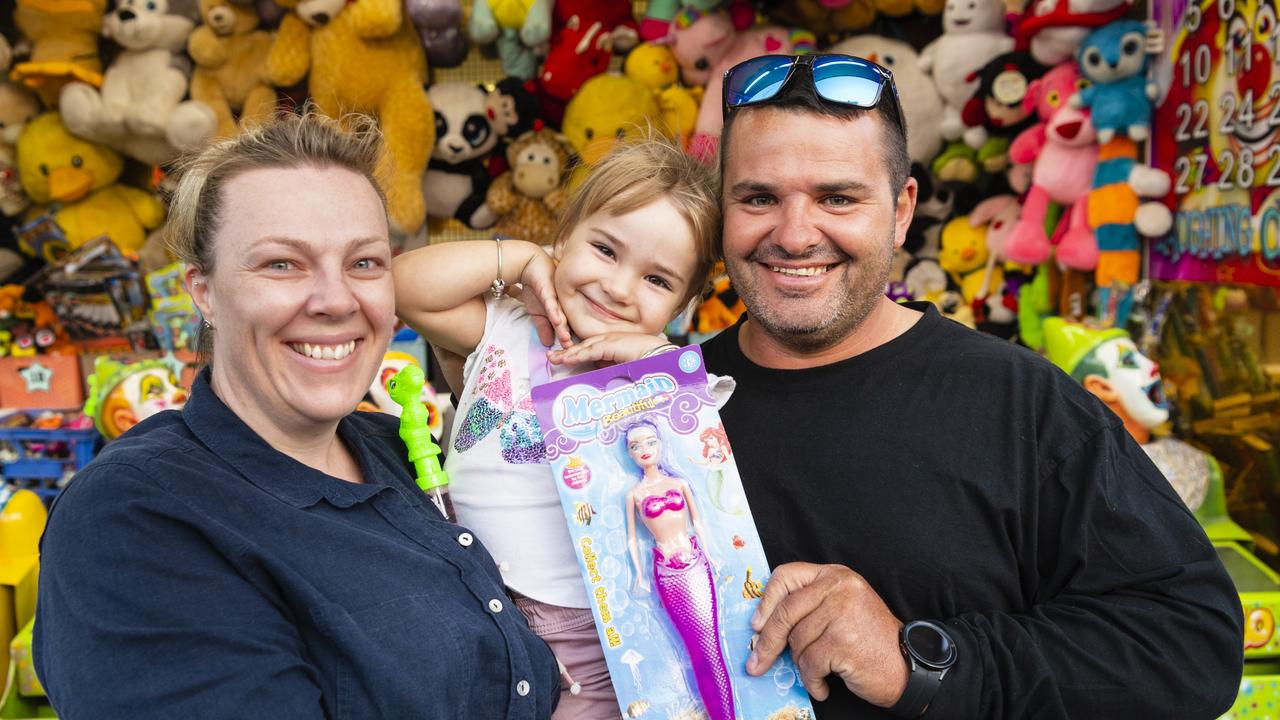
(1084, 165)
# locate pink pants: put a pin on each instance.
(571, 633)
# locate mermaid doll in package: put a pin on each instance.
(681, 571)
(665, 542)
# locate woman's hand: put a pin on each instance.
(608, 349)
(642, 583)
(538, 293)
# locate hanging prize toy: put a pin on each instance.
(415, 430)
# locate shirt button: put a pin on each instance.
(522, 688)
(465, 539)
(495, 605)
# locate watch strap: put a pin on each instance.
(922, 685)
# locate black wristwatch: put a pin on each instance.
(930, 653)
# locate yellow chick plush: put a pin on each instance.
(76, 180)
(656, 67)
(607, 109)
(964, 256)
(64, 44)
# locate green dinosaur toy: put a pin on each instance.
(415, 430)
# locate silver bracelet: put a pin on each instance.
(499, 286)
(660, 349)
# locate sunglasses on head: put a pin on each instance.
(840, 79)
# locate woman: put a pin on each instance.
(265, 552)
(681, 569)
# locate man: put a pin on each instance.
(901, 468)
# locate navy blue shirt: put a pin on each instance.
(191, 570)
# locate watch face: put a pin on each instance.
(930, 644)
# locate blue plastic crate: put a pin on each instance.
(26, 466)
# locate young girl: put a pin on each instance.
(636, 244)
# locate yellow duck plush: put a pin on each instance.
(656, 67)
(230, 53)
(609, 108)
(964, 256)
(365, 58)
(64, 44)
(76, 181)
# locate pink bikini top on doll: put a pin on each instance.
(655, 505)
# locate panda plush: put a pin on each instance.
(457, 178)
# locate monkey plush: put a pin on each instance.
(527, 197)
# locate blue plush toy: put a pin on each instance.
(1114, 59)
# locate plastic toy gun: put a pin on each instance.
(415, 430)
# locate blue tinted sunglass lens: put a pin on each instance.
(847, 81)
(756, 80)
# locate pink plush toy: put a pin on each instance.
(1063, 146)
(706, 45)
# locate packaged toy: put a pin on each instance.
(665, 541)
(173, 314)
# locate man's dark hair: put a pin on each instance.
(801, 97)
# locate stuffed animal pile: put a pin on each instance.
(1025, 124)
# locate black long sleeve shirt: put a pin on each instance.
(972, 482)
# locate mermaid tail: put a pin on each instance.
(726, 493)
(688, 594)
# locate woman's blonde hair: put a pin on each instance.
(635, 174)
(305, 139)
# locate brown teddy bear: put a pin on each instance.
(528, 197)
(364, 57)
(231, 65)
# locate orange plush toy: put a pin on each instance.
(365, 58)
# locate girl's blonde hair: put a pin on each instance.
(635, 174)
(306, 139)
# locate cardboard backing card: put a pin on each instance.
(633, 449)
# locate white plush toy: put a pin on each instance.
(972, 35)
(140, 109)
(921, 102)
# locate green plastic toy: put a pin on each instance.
(415, 430)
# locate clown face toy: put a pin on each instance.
(121, 396)
(1110, 366)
